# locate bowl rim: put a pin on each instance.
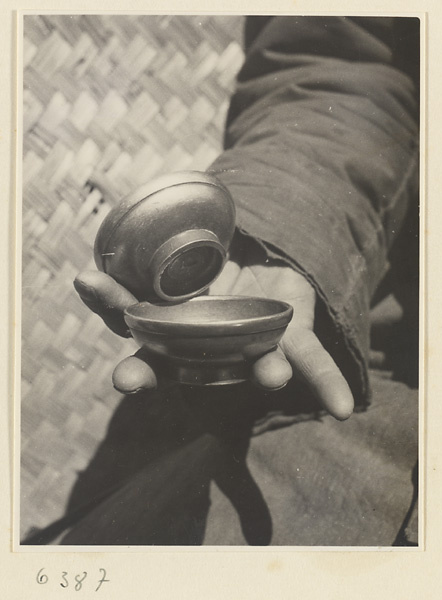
(277, 320)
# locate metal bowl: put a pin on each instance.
(168, 240)
(209, 340)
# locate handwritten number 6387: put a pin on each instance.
(79, 579)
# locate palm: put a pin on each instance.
(270, 280)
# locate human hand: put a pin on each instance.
(247, 273)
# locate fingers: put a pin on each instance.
(132, 375)
(316, 367)
(272, 371)
(105, 297)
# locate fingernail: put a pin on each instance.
(86, 291)
(270, 389)
(128, 392)
(278, 388)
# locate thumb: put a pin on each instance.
(105, 297)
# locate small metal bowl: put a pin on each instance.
(209, 340)
(168, 240)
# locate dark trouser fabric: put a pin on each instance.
(177, 478)
(331, 483)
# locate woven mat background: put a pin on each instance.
(109, 103)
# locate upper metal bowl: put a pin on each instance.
(169, 239)
(210, 339)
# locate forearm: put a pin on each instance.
(321, 159)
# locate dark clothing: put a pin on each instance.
(322, 159)
(322, 162)
(193, 474)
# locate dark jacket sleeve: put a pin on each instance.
(321, 157)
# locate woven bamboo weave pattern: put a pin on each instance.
(108, 103)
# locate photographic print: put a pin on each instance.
(220, 281)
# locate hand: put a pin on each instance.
(248, 272)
